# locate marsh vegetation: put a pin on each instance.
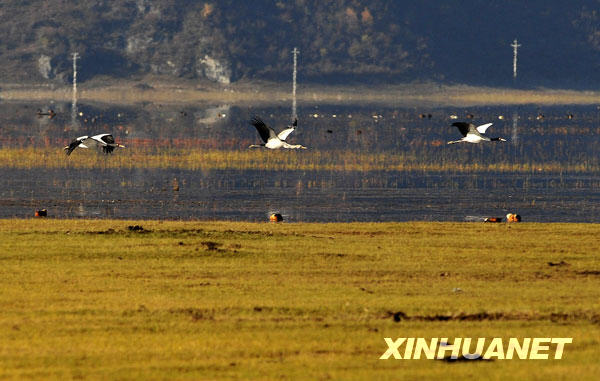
(364, 163)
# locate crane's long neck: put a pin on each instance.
(256, 145)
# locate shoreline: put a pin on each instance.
(267, 223)
(271, 93)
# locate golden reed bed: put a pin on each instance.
(218, 159)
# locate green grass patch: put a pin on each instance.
(233, 300)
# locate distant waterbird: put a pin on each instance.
(106, 141)
(50, 113)
(472, 134)
(271, 139)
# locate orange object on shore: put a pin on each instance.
(513, 217)
(41, 213)
(493, 219)
(275, 217)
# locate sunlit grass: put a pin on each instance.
(93, 299)
(164, 92)
(210, 159)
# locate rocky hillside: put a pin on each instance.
(375, 41)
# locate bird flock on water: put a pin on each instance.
(272, 140)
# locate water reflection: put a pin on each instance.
(515, 134)
(300, 195)
(317, 195)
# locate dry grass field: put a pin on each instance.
(112, 299)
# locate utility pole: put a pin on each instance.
(295, 52)
(74, 104)
(515, 46)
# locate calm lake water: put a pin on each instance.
(561, 134)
